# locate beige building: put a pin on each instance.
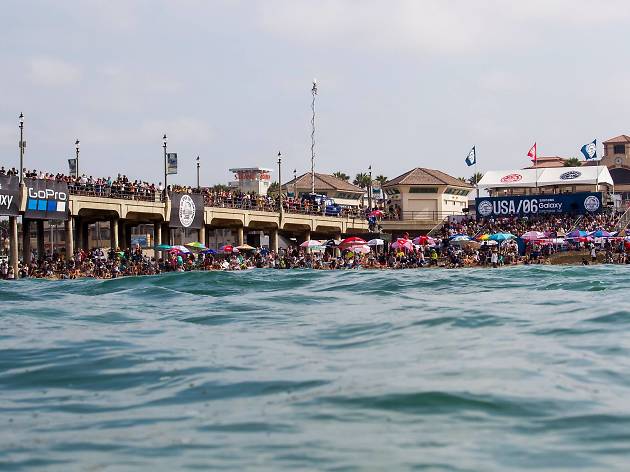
(427, 193)
(617, 159)
(344, 193)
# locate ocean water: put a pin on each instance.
(458, 370)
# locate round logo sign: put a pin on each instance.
(187, 211)
(484, 208)
(512, 178)
(591, 203)
(572, 174)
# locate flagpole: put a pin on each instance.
(476, 175)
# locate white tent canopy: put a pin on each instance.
(587, 175)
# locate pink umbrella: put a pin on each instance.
(424, 240)
(351, 242)
(361, 249)
(532, 235)
(376, 213)
(404, 244)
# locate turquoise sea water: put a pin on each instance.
(482, 370)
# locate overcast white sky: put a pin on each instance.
(401, 83)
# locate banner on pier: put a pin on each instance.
(171, 163)
(186, 210)
(529, 205)
(46, 200)
(9, 195)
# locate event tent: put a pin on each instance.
(586, 175)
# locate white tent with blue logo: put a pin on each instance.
(586, 175)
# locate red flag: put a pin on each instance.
(532, 154)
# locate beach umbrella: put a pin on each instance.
(182, 249)
(459, 238)
(361, 249)
(227, 248)
(482, 237)
(532, 235)
(163, 247)
(195, 245)
(458, 235)
(245, 247)
(376, 242)
(577, 233)
(311, 243)
(376, 214)
(353, 241)
(600, 233)
(424, 240)
(209, 251)
(402, 243)
(332, 243)
(500, 237)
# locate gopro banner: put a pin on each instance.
(9, 195)
(186, 210)
(526, 205)
(46, 200)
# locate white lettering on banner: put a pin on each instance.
(47, 194)
(6, 200)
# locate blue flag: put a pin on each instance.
(471, 159)
(590, 150)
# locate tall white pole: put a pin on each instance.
(314, 93)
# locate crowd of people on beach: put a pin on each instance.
(439, 251)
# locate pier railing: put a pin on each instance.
(113, 191)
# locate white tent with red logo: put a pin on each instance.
(586, 175)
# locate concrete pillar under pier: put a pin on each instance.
(128, 232)
(26, 240)
(113, 233)
(166, 234)
(13, 245)
(40, 239)
(68, 226)
(121, 236)
(240, 235)
(307, 235)
(202, 234)
(157, 238)
(273, 240)
(85, 239)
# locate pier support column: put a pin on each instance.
(69, 229)
(85, 239)
(121, 235)
(13, 244)
(166, 234)
(240, 236)
(26, 240)
(40, 239)
(202, 234)
(307, 235)
(113, 233)
(128, 232)
(273, 240)
(157, 239)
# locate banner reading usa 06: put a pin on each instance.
(573, 203)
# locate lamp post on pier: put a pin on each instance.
(164, 142)
(280, 208)
(370, 188)
(22, 146)
(76, 146)
(198, 165)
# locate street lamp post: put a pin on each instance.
(198, 165)
(164, 141)
(76, 144)
(370, 189)
(280, 209)
(314, 93)
(22, 146)
(294, 183)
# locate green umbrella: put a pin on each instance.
(163, 247)
(195, 245)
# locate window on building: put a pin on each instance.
(423, 189)
(619, 149)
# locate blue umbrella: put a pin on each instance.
(500, 237)
(208, 251)
(601, 233)
(457, 237)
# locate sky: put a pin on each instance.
(402, 84)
